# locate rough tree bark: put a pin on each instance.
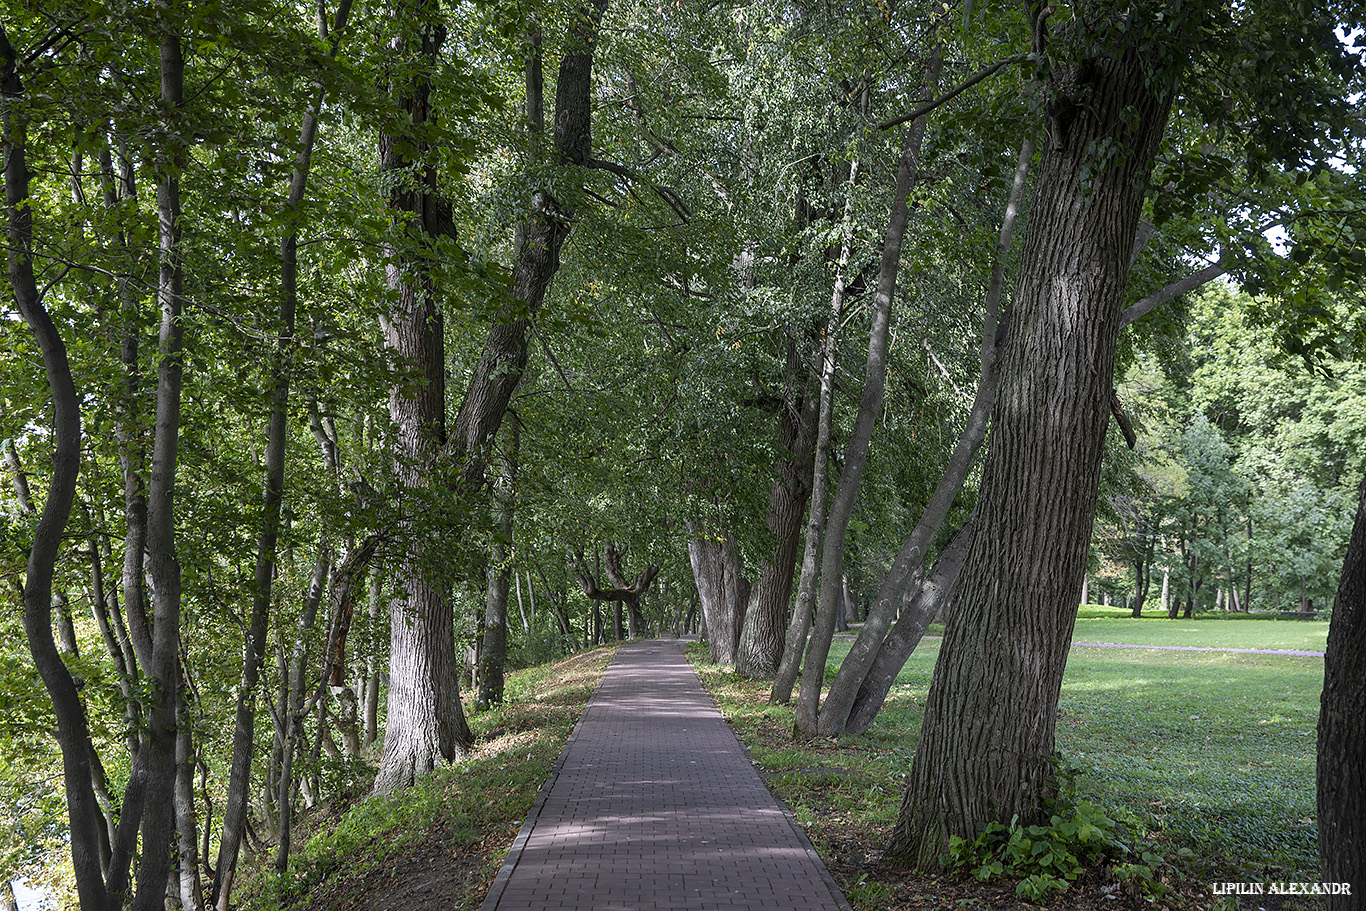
(986, 743)
(761, 636)
(426, 724)
(1342, 729)
(716, 571)
(426, 721)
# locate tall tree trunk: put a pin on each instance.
(856, 453)
(277, 435)
(158, 751)
(761, 636)
(494, 654)
(426, 723)
(867, 648)
(1342, 729)
(799, 623)
(371, 710)
(987, 741)
(73, 732)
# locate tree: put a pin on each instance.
(986, 745)
(989, 720)
(1342, 740)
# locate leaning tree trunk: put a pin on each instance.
(874, 639)
(799, 622)
(856, 453)
(1342, 730)
(987, 741)
(931, 597)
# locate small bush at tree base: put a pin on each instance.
(1046, 858)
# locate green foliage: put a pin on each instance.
(479, 800)
(1048, 857)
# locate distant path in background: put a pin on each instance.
(1202, 648)
(1168, 648)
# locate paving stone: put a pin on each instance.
(655, 805)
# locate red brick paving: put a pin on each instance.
(656, 806)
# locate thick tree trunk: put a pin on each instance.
(426, 721)
(1342, 729)
(986, 745)
(761, 637)
(856, 453)
(716, 570)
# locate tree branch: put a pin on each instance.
(952, 93)
(671, 197)
(1174, 290)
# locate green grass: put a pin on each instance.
(1224, 632)
(1210, 751)
(470, 809)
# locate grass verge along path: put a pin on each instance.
(438, 844)
(1205, 758)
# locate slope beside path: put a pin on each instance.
(654, 804)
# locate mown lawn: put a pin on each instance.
(1213, 631)
(1213, 747)
(1206, 757)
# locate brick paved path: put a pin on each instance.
(655, 805)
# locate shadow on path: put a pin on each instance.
(654, 804)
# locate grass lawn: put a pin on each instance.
(1210, 752)
(1209, 631)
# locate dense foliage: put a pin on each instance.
(234, 211)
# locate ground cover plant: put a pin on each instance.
(440, 843)
(1199, 764)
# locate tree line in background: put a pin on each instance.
(356, 353)
(1240, 492)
